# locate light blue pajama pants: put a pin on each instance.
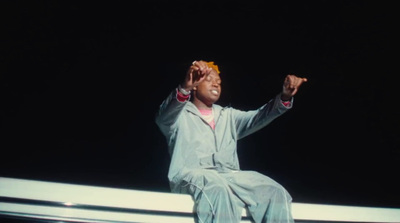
(221, 197)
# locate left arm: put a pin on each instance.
(251, 121)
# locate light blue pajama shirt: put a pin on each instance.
(204, 161)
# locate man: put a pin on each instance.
(202, 138)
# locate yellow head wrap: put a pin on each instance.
(213, 66)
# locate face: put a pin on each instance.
(209, 90)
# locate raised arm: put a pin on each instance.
(172, 106)
(248, 122)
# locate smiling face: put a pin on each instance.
(208, 91)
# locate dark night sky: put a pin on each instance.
(81, 81)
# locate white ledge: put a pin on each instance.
(73, 202)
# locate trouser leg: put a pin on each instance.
(215, 202)
(267, 201)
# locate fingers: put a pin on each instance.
(200, 69)
(196, 73)
(292, 83)
(201, 66)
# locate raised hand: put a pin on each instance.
(291, 86)
(197, 72)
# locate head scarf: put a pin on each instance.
(213, 66)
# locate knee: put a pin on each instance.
(205, 180)
(217, 188)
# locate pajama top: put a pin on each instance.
(193, 144)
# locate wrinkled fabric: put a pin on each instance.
(204, 162)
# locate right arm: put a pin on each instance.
(172, 106)
(169, 111)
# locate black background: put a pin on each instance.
(81, 81)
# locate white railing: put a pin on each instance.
(81, 203)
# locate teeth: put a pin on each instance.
(214, 92)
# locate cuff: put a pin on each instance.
(181, 97)
(287, 103)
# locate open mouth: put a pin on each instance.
(214, 92)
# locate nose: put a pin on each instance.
(215, 83)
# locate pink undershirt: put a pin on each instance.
(208, 116)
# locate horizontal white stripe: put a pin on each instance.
(70, 194)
